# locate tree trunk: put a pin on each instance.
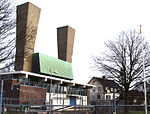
(126, 99)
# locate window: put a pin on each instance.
(12, 87)
(106, 88)
(108, 97)
(115, 90)
(94, 89)
(99, 89)
(111, 89)
(98, 97)
(93, 81)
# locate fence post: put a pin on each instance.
(114, 102)
(75, 110)
(1, 107)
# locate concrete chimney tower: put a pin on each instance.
(27, 24)
(65, 41)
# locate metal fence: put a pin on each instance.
(77, 109)
(44, 109)
(9, 106)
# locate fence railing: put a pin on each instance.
(77, 109)
(10, 106)
(47, 109)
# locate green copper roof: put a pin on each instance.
(49, 65)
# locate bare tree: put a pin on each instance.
(123, 60)
(7, 34)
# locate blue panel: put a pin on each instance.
(72, 101)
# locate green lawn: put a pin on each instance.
(135, 112)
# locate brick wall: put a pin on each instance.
(32, 95)
(11, 93)
(15, 93)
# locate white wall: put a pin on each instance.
(57, 99)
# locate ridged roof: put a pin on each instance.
(52, 66)
(107, 83)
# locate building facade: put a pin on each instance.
(21, 87)
(39, 79)
(104, 89)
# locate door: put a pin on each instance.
(72, 101)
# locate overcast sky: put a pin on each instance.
(95, 21)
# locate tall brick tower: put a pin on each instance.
(27, 24)
(65, 41)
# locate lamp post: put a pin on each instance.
(50, 91)
(143, 52)
(145, 94)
